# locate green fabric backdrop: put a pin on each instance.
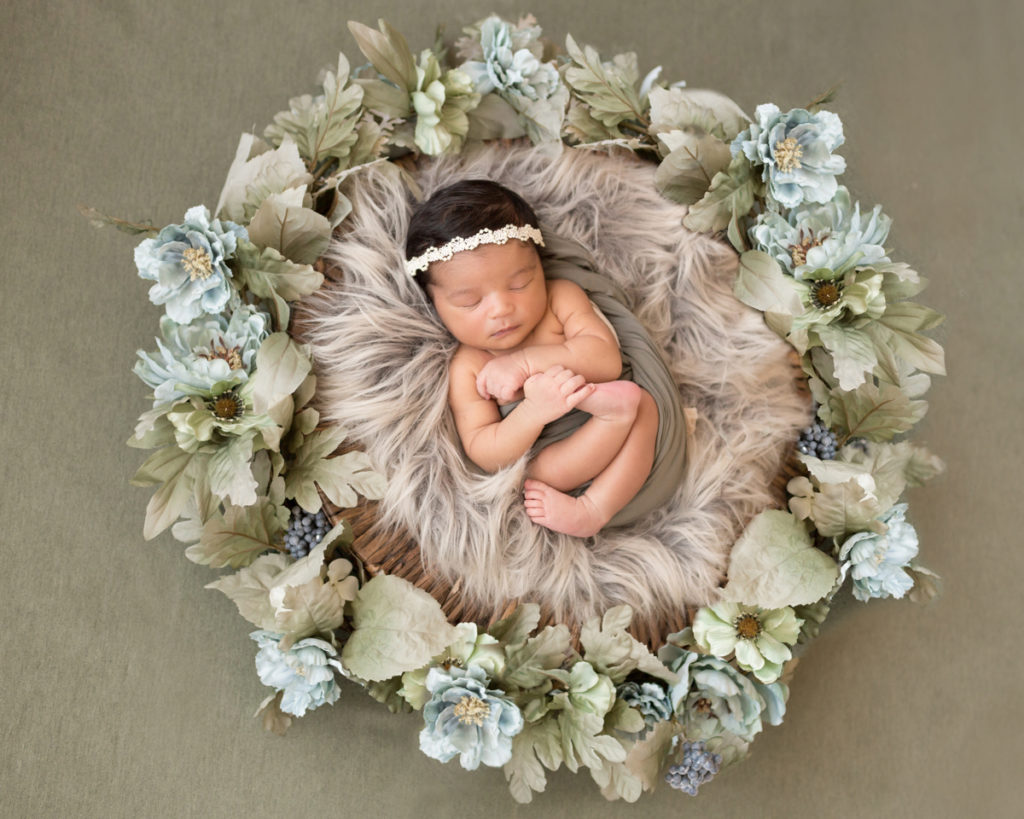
(128, 689)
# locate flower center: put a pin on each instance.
(197, 263)
(472, 710)
(232, 355)
(748, 626)
(799, 252)
(787, 154)
(825, 293)
(703, 706)
(227, 406)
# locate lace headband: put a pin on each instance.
(485, 237)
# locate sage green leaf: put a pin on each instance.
(249, 588)
(274, 719)
(388, 51)
(385, 99)
(613, 651)
(874, 412)
(494, 118)
(98, 219)
(922, 466)
(692, 108)
(609, 89)
(927, 584)
(267, 272)
(624, 718)
(775, 564)
(386, 692)
(514, 630)
(524, 772)
(396, 628)
(283, 223)
(336, 131)
(281, 366)
(730, 196)
(340, 477)
(838, 508)
(616, 781)
(173, 468)
(583, 743)
(853, 353)
(647, 757)
(903, 320)
(153, 430)
(685, 175)
(761, 284)
(527, 665)
(238, 536)
(316, 607)
(230, 472)
(582, 127)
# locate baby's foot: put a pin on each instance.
(613, 401)
(559, 512)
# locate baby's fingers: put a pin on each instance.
(572, 383)
(584, 392)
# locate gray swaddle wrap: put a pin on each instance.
(642, 363)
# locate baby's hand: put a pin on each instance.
(501, 378)
(552, 393)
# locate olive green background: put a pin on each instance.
(128, 690)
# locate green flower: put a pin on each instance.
(827, 297)
(441, 101)
(466, 718)
(758, 636)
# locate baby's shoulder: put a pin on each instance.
(468, 361)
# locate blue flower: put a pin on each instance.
(795, 152)
(877, 562)
(714, 698)
(834, 236)
(188, 262)
(304, 672)
(207, 356)
(649, 698)
(465, 717)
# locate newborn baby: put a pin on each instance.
(537, 342)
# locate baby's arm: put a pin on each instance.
(589, 347)
(492, 442)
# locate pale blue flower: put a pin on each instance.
(512, 68)
(467, 718)
(649, 698)
(834, 235)
(794, 151)
(877, 563)
(204, 357)
(714, 698)
(305, 672)
(188, 262)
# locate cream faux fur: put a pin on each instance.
(382, 359)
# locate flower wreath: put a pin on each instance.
(241, 464)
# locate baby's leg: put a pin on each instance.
(611, 490)
(587, 452)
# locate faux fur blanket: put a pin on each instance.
(382, 360)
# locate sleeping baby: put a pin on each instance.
(538, 369)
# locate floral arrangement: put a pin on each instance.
(241, 463)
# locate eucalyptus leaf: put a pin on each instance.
(281, 366)
(581, 126)
(731, 195)
(283, 223)
(775, 564)
(396, 628)
(609, 89)
(385, 99)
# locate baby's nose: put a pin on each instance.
(501, 305)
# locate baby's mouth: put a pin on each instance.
(504, 331)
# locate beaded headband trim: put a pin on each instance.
(486, 236)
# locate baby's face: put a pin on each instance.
(491, 297)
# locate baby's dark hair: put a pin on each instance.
(463, 209)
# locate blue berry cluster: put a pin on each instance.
(305, 531)
(818, 441)
(698, 765)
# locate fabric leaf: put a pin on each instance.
(281, 366)
(731, 195)
(249, 587)
(527, 664)
(238, 536)
(874, 412)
